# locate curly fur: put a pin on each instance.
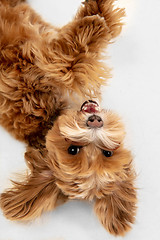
(41, 67)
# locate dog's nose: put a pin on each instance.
(94, 121)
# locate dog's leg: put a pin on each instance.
(80, 43)
(117, 210)
(106, 9)
(109, 23)
(37, 193)
(12, 2)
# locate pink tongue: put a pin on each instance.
(91, 109)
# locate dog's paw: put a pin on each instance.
(95, 24)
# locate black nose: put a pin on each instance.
(94, 121)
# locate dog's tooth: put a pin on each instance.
(95, 104)
(91, 105)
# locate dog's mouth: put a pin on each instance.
(90, 106)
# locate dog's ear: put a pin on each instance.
(116, 211)
(30, 197)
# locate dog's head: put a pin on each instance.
(86, 143)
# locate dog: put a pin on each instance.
(74, 151)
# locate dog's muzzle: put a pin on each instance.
(94, 121)
(92, 107)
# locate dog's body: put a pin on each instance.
(72, 154)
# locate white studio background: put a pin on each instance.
(133, 92)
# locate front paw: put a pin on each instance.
(92, 30)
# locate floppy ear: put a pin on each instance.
(37, 193)
(116, 211)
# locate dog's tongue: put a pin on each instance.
(90, 107)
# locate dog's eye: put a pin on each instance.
(107, 153)
(73, 150)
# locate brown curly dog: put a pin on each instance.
(75, 151)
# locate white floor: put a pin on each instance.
(134, 92)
